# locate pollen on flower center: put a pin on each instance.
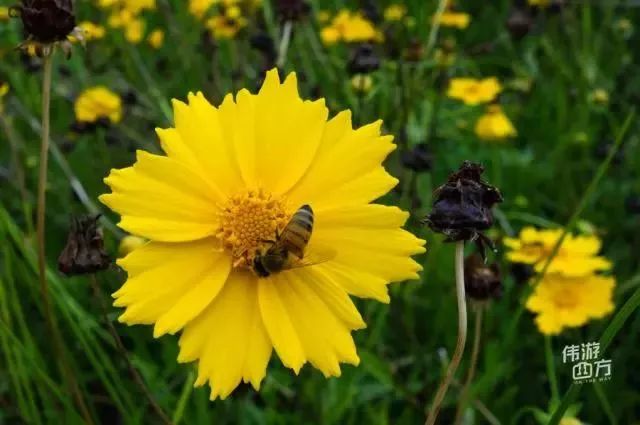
(247, 220)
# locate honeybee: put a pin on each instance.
(290, 243)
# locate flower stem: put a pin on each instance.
(477, 336)
(123, 352)
(551, 369)
(187, 389)
(40, 232)
(462, 337)
(284, 43)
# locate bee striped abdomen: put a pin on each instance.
(297, 232)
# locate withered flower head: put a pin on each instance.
(481, 281)
(419, 158)
(84, 252)
(462, 206)
(292, 10)
(519, 23)
(363, 60)
(47, 21)
(414, 52)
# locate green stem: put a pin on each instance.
(184, 397)
(284, 43)
(606, 406)
(462, 337)
(123, 352)
(551, 369)
(52, 326)
(614, 327)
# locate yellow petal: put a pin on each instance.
(159, 197)
(347, 167)
(238, 124)
(171, 283)
(288, 132)
(200, 127)
(324, 338)
(364, 243)
(228, 338)
(279, 324)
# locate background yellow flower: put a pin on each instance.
(98, 102)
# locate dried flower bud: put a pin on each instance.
(462, 206)
(363, 60)
(519, 23)
(292, 10)
(418, 159)
(481, 282)
(47, 21)
(84, 252)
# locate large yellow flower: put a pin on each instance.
(231, 179)
(563, 302)
(577, 256)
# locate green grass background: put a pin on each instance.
(406, 346)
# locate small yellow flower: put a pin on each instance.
(350, 28)
(472, 91)
(90, 31)
(230, 179)
(199, 8)
(134, 31)
(568, 420)
(120, 18)
(130, 243)
(223, 27)
(361, 83)
(4, 89)
(454, 19)
(539, 3)
(96, 103)
(494, 125)
(137, 6)
(395, 12)
(4, 13)
(156, 38)
(599, 96)
(562, 302)
(576, 257)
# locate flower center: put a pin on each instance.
(247, 221)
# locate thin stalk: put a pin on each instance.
(52, 326)
(123, 352)
(551, 370)
(184, 397)
(462, 337)
(477, 336)
(284, 43)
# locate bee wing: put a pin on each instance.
(315, 256)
